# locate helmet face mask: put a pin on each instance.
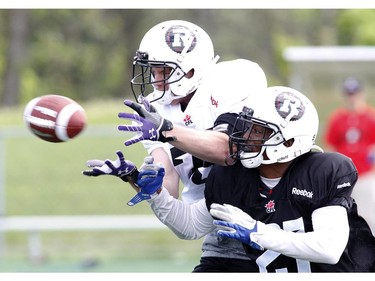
(144, 79)
(251, 137)
(183, 49)
(281, 125)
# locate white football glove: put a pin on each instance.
(235, 224)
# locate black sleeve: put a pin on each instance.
(344, 180)
(332, 177)
(225, 122)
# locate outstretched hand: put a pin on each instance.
(150, 180)
(235, 224)
(124, 169)
(149, 124)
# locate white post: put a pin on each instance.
(2, 192)
(35, 247)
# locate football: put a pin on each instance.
(54, 118)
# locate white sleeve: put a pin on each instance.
(151, 145)
(186, 221)
(324, 245)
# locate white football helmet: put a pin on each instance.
(176, 44)
(286, 114)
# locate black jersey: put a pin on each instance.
(312, 181)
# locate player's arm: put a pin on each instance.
(171, 179)
(187, 221)
(211, 146)
(325, 244)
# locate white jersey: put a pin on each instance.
(224, 90)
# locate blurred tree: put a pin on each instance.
(356, 27)
(77, 53)
(87, 54)
(17, 28)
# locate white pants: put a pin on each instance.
(364, 195)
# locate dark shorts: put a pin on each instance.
(217, 264)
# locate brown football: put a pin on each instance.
(54, 118)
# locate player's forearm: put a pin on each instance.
(209, 146)
(171, 178)
(186, 221)
(324, 245)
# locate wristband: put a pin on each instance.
(131, 177)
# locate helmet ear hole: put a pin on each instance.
(190, 74)
(289, 143)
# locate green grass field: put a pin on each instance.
(42, 178)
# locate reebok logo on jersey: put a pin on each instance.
(346, 184)
(304, 192)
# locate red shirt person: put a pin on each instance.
(351, 129)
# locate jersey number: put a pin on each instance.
(269, 256)
(195, 172)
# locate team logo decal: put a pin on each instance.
(214, 102)
(270, 207)
(187, 120)
(289, 106)
(178, 36)
(153, 134)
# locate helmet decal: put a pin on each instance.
(178, 36)
(289, 114)
(180, 46)
(289, 106)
